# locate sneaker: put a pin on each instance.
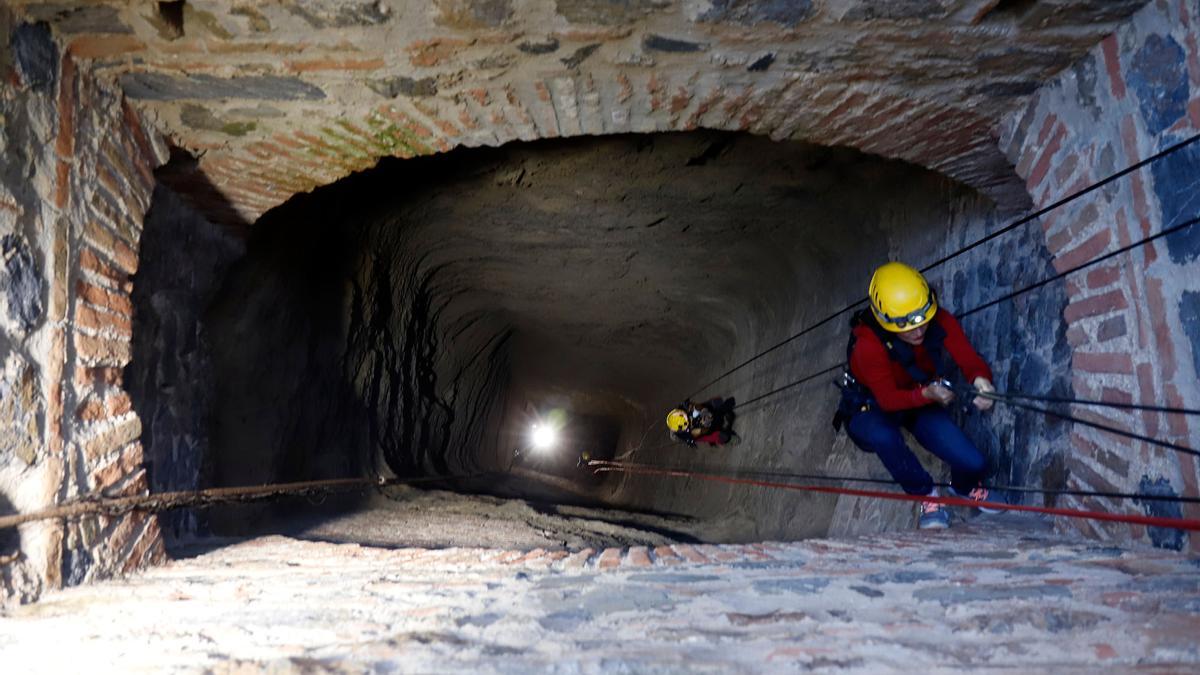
(980, 496)
(933, 516)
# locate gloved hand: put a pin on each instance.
(936, 391)
(985, 386)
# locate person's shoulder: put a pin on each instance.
(864, 332)
(946, 318)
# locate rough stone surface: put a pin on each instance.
(22, 283)
(918, 80)
(36, 55)
(161, 87)
(605, 277)
(281, 605)
(170, 381)
(1126, 323)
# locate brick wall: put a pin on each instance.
(1132, 321)
(75, 185)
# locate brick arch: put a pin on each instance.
(246, 182)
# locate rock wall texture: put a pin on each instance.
(283, 97)
(1131, 322)
(75, 181)
(171, 380)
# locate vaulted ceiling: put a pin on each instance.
(272, 98)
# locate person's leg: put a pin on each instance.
(935, 430)
(878, 432)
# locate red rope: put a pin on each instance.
(1152, 521)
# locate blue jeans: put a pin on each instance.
(879, 432)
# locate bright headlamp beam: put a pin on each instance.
(543, 436)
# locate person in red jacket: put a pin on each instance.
(896, 354)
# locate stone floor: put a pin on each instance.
(1003, 593)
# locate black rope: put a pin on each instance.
(797, 383)
(1124, 249)
(1009, 296)
(1104, 427)
(740, 473)
(1008, 228)
(1068, 199)
(1003, 396)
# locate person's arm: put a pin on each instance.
(870, 364)
(968, 360)
(972, 365)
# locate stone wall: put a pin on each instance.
(75, 181)
(1132, 321)
(171, 380)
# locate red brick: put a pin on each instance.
(125, 431)
(62, 184)
(637, 557)
(1066, 168)
(94, 351)
(1115, 440)
(1103, 362)
(1043, 163)
(103, 322)
(578, 559)
(1112, 64)
(664, 555)
(610, 558)
(95, 377)
(1092, 247)
(689, 553)
(1096, 305)
(1178, 424)
(107, 243)
(91, 410)
(1029, 155)
(1101, 277)
(1147, 391)
(1081, 470)
(124, 465)
(1047, 127)
(64, 144)
(1129, 139)
(113, 301)
(118, 404)
(133, 123)
(1158, 319)
(101, 46)
(335, 64)
(149, 538)
(1111, 395)
(91, 262)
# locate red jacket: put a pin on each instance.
(887, 379)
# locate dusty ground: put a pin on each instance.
(1002, 593)
(408, 517)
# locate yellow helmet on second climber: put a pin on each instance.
(677, 420)
(901, 299)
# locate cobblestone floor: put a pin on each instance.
(1000, 593)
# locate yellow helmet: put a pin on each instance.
(677, 420)
(901, 299)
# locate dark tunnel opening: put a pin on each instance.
(419, 318)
